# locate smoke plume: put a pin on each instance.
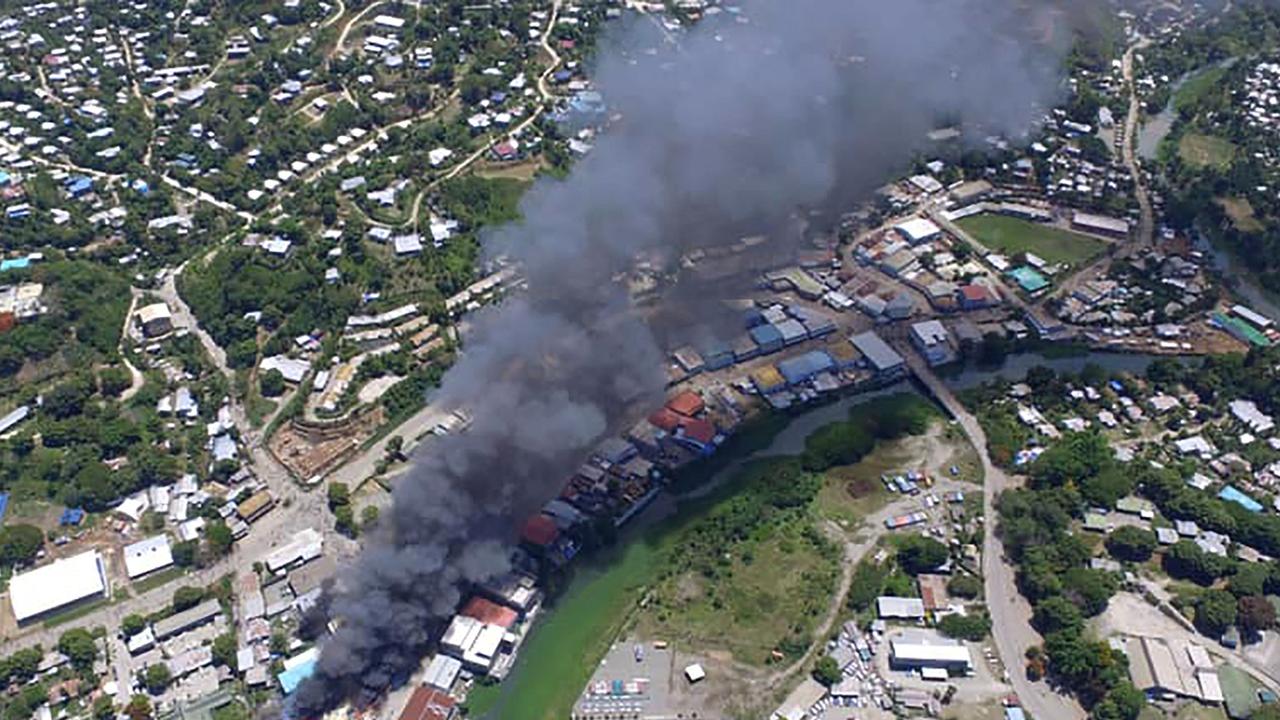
(733, 127)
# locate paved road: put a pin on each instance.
(1010, 612)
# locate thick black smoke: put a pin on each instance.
(728, 130)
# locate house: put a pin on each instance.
(880, 357)
(147, 556)
(155, 320)
(407, 245)
(976, 297)
(933, 341)
(429, 703)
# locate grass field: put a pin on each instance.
(1206, 151)
(771, 586)
(1011, 236)
(1241, 214)
(1198, 86)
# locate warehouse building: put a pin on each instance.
(59, 584)
(918, 230)
(921, 653)
(1100, 224)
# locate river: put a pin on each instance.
(1156, 128)
(551, 668)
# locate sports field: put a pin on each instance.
(1206, 151)
(1010, 236)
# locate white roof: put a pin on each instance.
(918, 229)
(1210, 688)
(59, 583)
(147, 556)
(1198, 656)
(442, 672)
(306, 545)
(899, 607)
(695, 672)
(905, 651)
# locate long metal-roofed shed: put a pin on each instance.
(186, 620)
(881, 357)
(57, 585)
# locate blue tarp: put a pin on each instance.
(4, 504)
(14, 263)
(1232, 494)
(72, 516)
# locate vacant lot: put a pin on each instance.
(1011, 236)
(1241, 214)
(1206, 151)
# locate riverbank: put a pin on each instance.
(604, 596)
(601, 601)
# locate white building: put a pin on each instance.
(918, 230)
(147, 556)
(57, 585)
(913, 653)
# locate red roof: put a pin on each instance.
(701, 431)
(975, 293)
(489, 612)
(665, 419)
(428, 704)
(540, 530)
(687, 403)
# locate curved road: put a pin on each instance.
(1010, 612)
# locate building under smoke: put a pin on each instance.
(750, 116)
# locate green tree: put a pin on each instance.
(80, 648)
(965, 586)
(369, 516)
(139, 708)
(20, 543)
(1122, 702)
(345, 522)
(133, 624)
(1090, 589)
(187, 597)
(1057, 613)
(219, 538)
(918, 554)
(1131, 543)
(339, 495)
(967, 627)
(271, 383)
(157, 678)
(224, 650)
(826, 671)
(186, 553)
(1215, 612)
(104, 708)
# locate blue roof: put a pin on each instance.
(4, 504)
(72, 516)
(14, 263)
(1231, 493)
(1014, 713)
(1028, 279)
(766, 334)
(802, 367)
(290, 679)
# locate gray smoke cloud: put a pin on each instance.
(748, 118)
